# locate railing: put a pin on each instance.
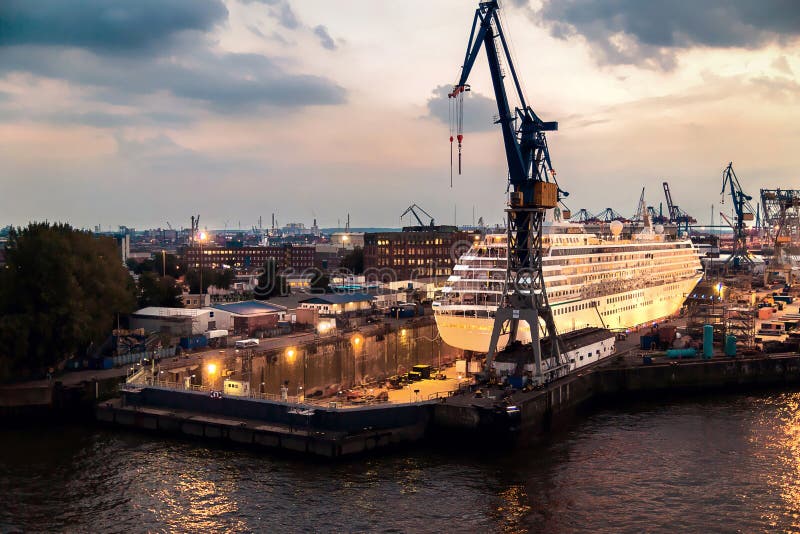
(145, 381)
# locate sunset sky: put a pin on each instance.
(149, 111)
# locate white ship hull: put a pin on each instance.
(629, 311)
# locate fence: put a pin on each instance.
(135, 357)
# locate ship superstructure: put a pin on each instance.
(590, 280)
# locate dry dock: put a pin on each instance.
(331, 430)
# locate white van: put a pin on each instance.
(246, 343)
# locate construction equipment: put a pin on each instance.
(744, 212)
(781, 222)
(608, 215)
(677, 215)
(412, 209)
(583, 216)
(532, 191)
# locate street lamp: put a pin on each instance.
(357, 341)
(201, 239)
(211, 368)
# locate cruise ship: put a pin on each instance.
(591, 280)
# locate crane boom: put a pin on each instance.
(533, 190)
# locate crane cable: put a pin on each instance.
(459, 104)
(450, 121)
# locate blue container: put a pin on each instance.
(108, 363)
(730, 346)
(681, 353)
(516, 382)
(708, 341)
(647, 342)
(194, 342)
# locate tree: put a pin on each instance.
(353, 261)
(221, 279)
(60, 292)
(270, 283)
(320, 282)
(157, 290)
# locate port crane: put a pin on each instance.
(412, 209)
(582, 216)
(676, 215)
(743, 211)
(781, 221)
(532, 191)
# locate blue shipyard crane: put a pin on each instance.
(743, 211)
(677, 215)
(533, 190)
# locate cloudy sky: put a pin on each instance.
(148, 111)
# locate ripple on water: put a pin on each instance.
(731, 464)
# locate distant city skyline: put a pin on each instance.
(146, 112)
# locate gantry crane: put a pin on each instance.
(743, 211)
(781, 220)
(533, 190)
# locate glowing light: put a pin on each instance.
(403, 332)
(202, 236)
(357, 339)
(323, 327)
(211, 368)
(719, 287)
(290, 353)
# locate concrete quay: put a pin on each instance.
(469, 415)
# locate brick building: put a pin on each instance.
(297, 257)
(415, 253)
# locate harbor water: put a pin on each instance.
(729, 464)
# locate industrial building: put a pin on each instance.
(417, 252)
(178, 322)
(297, 257)
(251, 316)
(339, 304)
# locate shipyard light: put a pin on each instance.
(290, 353)
(719, 287)
(357, 340)
(211, 368)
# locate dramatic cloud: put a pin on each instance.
(73, 42)
(104, 25)
(324, 37)
(479, 111)
(649, 33)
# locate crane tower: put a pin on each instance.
(532, 191)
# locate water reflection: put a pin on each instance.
(730, 464)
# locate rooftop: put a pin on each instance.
(161, 311)
(340, 298)
(250, 307)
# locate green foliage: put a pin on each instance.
(353, 261)
(160, 264)
(270, 283)
(221, 279)
(60, 292)
(157, 290)
(321, 282)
